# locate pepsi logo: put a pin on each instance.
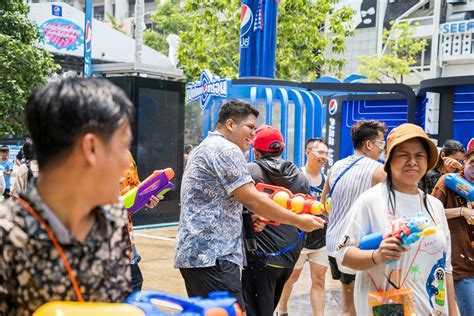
(204, 87)
(246, 20)
(56, 9)
(470, 144)
(88, 36)
(332, 107)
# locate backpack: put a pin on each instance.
(30, 173)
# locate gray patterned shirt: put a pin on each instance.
(210, 225)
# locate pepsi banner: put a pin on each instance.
(258, 30)
(88, 40)
(333, 127)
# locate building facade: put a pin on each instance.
(446, 25)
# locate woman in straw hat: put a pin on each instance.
(420, 274)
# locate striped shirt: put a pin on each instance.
(355, 181)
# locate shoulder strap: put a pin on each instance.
(343, 173)
(56, 245)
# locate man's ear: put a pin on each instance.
(230, 124)
(89, 148)
(256, 153)
(368, 145)
(442, 154)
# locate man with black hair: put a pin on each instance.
(347, 179)
(278, 247)
(215, 185)
(64, 239)
(314, 250)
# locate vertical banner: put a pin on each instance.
(88, 40)
(258, 28)
(333, 127)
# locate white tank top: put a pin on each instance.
(355, 181)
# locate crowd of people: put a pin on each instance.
(64, 234)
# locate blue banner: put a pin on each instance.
(88, 40)
(258, 28)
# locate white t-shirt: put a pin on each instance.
(423, 268)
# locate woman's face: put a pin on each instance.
(469, 169)
(409, 163)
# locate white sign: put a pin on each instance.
(206, 87)
(457, 27)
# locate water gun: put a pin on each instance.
(407, 229)
(461, 186)
(140, 304)
(158, 183)
(315, 191)
(297, 203)
(218, 304)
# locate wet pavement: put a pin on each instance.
(156, 247)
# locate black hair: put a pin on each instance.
(365, 130)
(28, 150)
(188, 148)
(272, 154)
(450, 147)
(424, 181)
(315, 140)
(60, 112)
(236, 110)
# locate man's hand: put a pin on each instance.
(308, 223)
(259, 223)
(154, 200)
(390, 250)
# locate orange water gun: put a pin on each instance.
(298, 203)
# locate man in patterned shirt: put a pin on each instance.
(58, 241)
(215, 185)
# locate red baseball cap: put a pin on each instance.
(266, 135)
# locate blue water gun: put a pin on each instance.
(218, 304)
(141, 304)
(408, 229)
(460, 185)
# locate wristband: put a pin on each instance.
(372, 257)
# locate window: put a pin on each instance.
(99, 12)
(423, 59)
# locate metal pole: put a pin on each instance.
(88, 39)
(139, 28)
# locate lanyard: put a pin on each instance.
(56, 245)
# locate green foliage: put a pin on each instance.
(303, 46)
(24, 65)
(212, 42)
(115, 25)
(402, 51)
(169, 18)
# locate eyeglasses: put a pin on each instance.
(320, 152)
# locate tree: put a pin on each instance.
(24, 64)
(415, 270)
(402, 52)
(169, 18)
(212, 42)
